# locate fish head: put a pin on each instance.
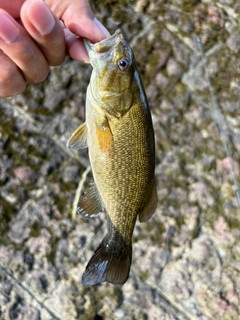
(113, 72)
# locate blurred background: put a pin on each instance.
(186, 259)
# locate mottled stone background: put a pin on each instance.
(186, 259)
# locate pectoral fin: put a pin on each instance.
(90, 203)
(78, 139)
(149, 209)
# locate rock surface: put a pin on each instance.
(186, 259)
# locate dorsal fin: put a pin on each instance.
(78, 139)
(90, 203)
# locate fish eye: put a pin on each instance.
(124, 64)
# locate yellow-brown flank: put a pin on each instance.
(119, 134)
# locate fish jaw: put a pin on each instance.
(105, 51)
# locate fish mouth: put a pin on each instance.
(103, 50)
(105, 44)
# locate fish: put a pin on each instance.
(118, 132)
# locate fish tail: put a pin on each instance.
(106, 264)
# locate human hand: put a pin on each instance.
(32, 38)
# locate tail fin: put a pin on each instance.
(107, 265)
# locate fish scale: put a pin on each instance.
(119, 134)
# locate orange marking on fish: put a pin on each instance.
(105, 139)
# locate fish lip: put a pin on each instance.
(88, 45)
(116, 33)
(108, 42)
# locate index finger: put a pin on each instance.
(12, 7)
(79, 19)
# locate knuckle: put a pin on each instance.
(57, 61)
(8, 91)
(55, 48)
(33, 64)
(55, 55)
(8, 71)
(11, 81)
(39, 76)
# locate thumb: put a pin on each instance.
(78, 17)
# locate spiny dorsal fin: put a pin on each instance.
(78, 139)
(149, 209)
(108, 266)
(90, 203)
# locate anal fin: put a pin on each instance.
(150, 208)
(90, 203)
(78, 139)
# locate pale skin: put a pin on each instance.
(36, 34)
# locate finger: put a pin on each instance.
(76, 48)
(12, 7)
(45, 29)
(11, 80)
(75, 45)
(79, 19)
(21, 49)
(85, 27)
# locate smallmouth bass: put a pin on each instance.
(119, 135)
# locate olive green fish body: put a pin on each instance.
(119, 135)
(122, 160)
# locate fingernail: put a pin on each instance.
(101, 28)
(8, 30)
(41, 17)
